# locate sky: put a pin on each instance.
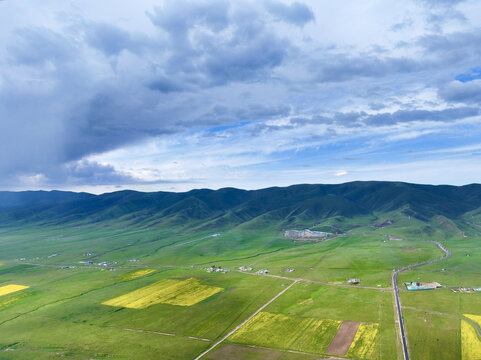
(151, 95)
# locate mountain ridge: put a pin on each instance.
(301, 203)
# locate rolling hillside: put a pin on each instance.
(297, 205)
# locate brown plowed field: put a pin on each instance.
(343, 339)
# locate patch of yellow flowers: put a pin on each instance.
(136, 274)
(8, 289)
(364, 342)
(174, 292)
(470, 342)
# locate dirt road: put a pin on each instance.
(245, 321)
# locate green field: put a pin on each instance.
(71, 269)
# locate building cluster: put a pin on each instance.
(103, 264)
(305, 234)
(415, 285)
(245, 268)
(218, 269)
(465, 290)
(263, 271)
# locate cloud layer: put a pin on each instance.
(218, 93)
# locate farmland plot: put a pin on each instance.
(174, 292)
(8, 289)
(470, 342)
(364, 343)
(136, 274)
(287, 332)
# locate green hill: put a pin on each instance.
(297, 205)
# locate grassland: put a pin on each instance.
(61, 313)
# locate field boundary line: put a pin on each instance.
(160, 333)
(331, 357)
(213, 346)
(318, 282)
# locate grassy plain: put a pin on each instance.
(61, 314)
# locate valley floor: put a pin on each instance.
(97, 292)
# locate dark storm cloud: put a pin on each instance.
(91, 172)
(259, 111)
(295, 13)
(109, 39)
(352, 119)
(454, 46)
(166, 85)
(249, 61)
(48, 45)
(220, 43)
(176, 18)
(86, 172)
(441, 2)
(317, 119)
(441, 12)
(402, 25)
(134, 87)
(463, 92)
(338, 68)
(403, 116)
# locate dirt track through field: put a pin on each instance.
(343, 339)
(245, 321)
(318, 282)
(160, 333)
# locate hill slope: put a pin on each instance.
(287, 206)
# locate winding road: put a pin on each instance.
(396, 291)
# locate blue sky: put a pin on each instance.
(172, 95)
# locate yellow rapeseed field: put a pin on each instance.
(287, 332)
(7, 300)
(136, 274)
(475, 318)
(175, 292)
(470, 342)
(364, 343)
(8, 289)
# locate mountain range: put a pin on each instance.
(304, 204)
